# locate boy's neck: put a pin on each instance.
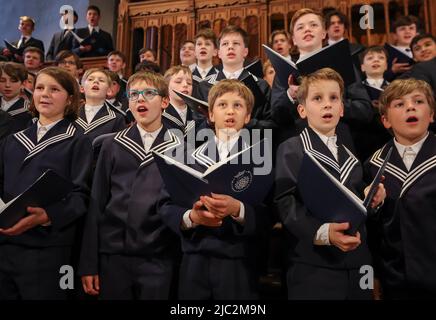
(94, 102)
(226, 134)
(330, 133)
(204, 65)
(151, 127)
(233, 68)
(375, 76)
(304, 52)
(410, 141)
(178, 104)
(11, 99)
(47, 121)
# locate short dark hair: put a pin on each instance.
(421, 36)
(147, 66)
(94, 8)
(144, 50)
(118, 53)
(37, 50)
(276, 33)
(185, 42)
(14, 70)
(370, 49)
(62, 55)
(404, 21)
(234, 29)
(342, 18)
(207, 34)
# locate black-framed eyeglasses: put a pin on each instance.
(147, 93)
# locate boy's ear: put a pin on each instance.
(211, 117)
(82, 90)
(302, 111)
(342, 110)
(165, 102)
(109, 91)
(215, 52)
(245, 52)
(385, 121)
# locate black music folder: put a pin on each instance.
(330, 201)
(232, 176)
(197, 105)
(47, 189)
(336, 56)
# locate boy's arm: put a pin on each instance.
(357, 105)
(88, 264)
(283, 107)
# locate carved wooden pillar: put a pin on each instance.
(174, 51)
(123, 31)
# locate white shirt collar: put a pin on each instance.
(96, 28)
(224, 147)
(233, 75)
(330, 142)
(192, 66)
(42, 130)
(331, 41)
(204, 72)
(48, 126)
(145, 134)
(415, 147)
(182, 113)
(405, 50)
(7, 104)
(91, 111)
(375, 82)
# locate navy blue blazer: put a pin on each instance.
(122, 217)
(66, 151)
(21, 117)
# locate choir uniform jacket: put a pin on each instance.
(106, 120)
(122, 217)
(300, 226)
(196, 79)
(172, 120)
(357, 111)
(21, 117)
(260, 118)
(23, 160)
(402, 233)
(231, 240)
(368, 137)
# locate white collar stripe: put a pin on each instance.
(417, 173)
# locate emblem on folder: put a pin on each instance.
(241, 181)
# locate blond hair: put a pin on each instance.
(175, 70)
(400, 87)
(231, 85)
(94, 70)
(302, 12)
(151, 78)
(319, 75)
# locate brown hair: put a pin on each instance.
(321, 74)
(376, 49)
(117, 53)
(277, 32)
(207, 34)
(266, 65)
(175, 70)
(152, 78)
(302, 12)
(37, 50)
(230, 85)
(400, 87)
(28, 19)
(70, 85)
(16, 71)
(234, 29)
(404, 21)
(62, 55)
(94, 70)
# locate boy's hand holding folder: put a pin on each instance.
(37, 216)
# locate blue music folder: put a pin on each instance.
(47, 189)
(232, 176)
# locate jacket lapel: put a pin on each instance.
(60, 132)
(104, 115)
